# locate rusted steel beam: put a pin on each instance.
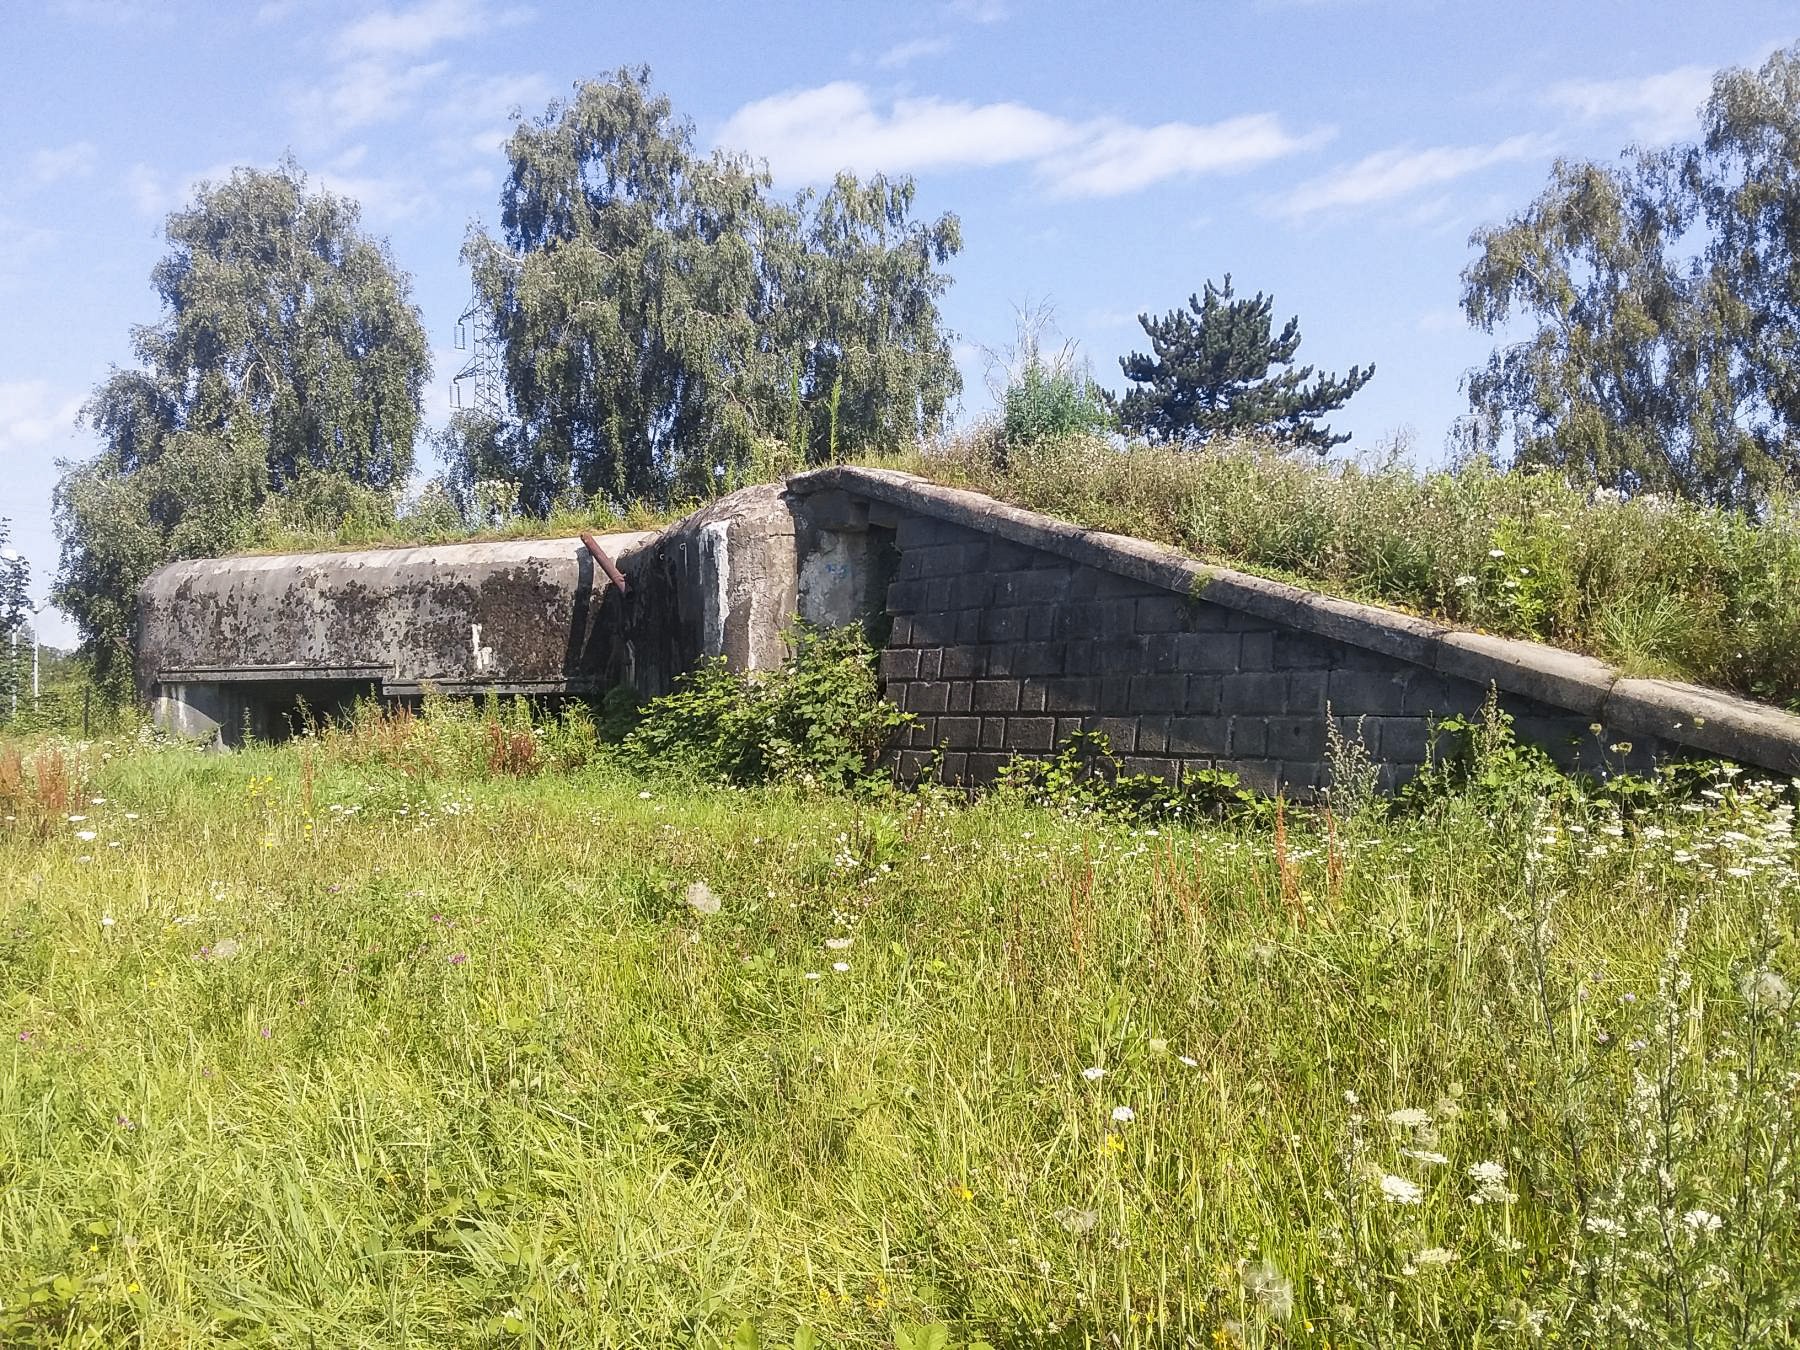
(613, 574)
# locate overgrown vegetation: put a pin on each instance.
(818, 720)
(1660, 586)
(448, 1027)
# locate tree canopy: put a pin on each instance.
(1665, 293)
(289, 360)
(1207, 375)
(660, 311)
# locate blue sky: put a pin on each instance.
(1104, 158)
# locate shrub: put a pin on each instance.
(819, 719)
(1047, 402)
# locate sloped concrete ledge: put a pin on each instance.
(1708, 721)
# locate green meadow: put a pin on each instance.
(377, 1039)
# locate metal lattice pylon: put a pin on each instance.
(477, 386)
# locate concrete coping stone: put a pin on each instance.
(485, 553)
(1708, 720)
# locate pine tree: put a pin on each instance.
(1208, 376)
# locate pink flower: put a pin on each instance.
(459, 958)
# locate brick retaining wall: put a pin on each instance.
(1002, 649)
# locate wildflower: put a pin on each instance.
(107, 921)
(459, 958)
(840, 966)
(1124, 1115)
(1267, 1286)
(814, 975)
(265, 1033)
(1158, 1046)
(1765, 989)
(1603, 1227)
(86, 836)
(644, 796)
(701, 900)
(1114, 1144)
(1703, 1221)
(1496, 553)
(838, 944)
(77, 818)
(1350, 1098)
(1093, 1073)
(1077, 1221)
(1189, 1061)
(1434, 1256)
(1465, 580)
(1490, 1185)
(1409, 1118)
(1425, 1155)
(1401, 1191)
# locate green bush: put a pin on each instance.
(1047, 403)
(819, 719)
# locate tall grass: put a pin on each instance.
(338, 1044)
(1662, 587)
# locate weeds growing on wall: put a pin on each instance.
(1084, 776)
(1659, 586)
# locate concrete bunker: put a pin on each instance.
(1003, 631)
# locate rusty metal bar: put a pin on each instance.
(606, 564)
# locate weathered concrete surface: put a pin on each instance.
(228, 645)
(519, 613)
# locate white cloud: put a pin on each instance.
(154, 193)
(810, 134)
(1448, 319)
(363, 93)
(55, 163)
(1655, 108)
(418, 28)
(33, 416)
(1115, 157)
(1389, 174)
(905, 53)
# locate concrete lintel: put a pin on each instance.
(284, 674)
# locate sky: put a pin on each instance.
(1105, 159)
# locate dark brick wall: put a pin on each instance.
(1001, 649)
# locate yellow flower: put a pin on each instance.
(962, 1193)
(1114, 1144)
